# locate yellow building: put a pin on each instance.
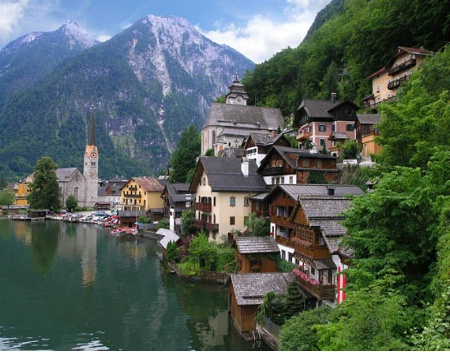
(143, 193)
(223, 187)
(386, 81)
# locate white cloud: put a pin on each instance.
(11, 12)
(262, 37)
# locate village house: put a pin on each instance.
(177, 198)
(228, 124)
(285, 165)
(306, 222)
(258, 144)
(246, 293)
(325, 123)
(366, 132)
(223, 187)
(142, 193)
(109, 191)
(387, 80)
(21, 190)
(256, 254)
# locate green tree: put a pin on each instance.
(172, 251)
(348, 150)
(258, 226)
(187, 222)
(44, 189)
(184, 157)
(7, 197)
(373, 318)
(71, 203)
(298, 333)
(204, 251)
(163, 224)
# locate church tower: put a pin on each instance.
(90, 171)
(237, 94)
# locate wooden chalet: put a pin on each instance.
(258, 144)
(306, 224)
(366, 132)
(256, 254)
(177, 199)
(284, 165)
(128, 218)
(246, 294)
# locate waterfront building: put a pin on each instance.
(223, 187)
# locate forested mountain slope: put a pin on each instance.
(146, 85)
(349, 40)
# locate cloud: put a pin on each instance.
(11, 12)
(261, 37)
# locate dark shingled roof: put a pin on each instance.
(369, 119)
(249, 245)
(225, 174)
(250, 289)
(244, 116)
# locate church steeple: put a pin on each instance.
(90, 171)
(237, 94)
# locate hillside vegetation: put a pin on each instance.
(348, 41)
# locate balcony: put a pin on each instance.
(205, 207)
(396, 83)
(303, 136)
(304, 247)
(133, 196)
(204, 225)
(319, 291)
(403, 66)
(272, 171)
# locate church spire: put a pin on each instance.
(91, 135)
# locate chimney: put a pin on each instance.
(333, 97)
(244, 166)
(331, 189)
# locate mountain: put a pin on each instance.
(144, 86)
(33, 56)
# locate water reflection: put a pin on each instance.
(74, 286)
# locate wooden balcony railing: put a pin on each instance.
(205, 207)
(305, 248)
(272, 171)
(403, 66)
(204, 225)
(320, 291)
(397, 82)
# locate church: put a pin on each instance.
(84, 186)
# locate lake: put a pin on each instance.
(74, 286)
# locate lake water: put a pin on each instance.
(74, 286)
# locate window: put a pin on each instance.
(322, 128)
(291, 179)
(232, 220)
(92, 163)
(313, 271)
(246, 202)
(349, 127)
(232, 201)
(322, 142)
(378, 88)
(214, 201)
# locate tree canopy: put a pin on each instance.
(44, 189)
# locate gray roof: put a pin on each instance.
(131, 213)
(313, 190)
(169, 236)
(64, 174)
(250, 289)
(244, 116)
(225, 174)
(318, 108)
(248, 245)
(369, 119)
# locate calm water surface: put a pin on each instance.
(70, 286)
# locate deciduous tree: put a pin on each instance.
(44, 189)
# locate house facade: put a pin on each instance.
(228, 124)
(386, 81)
(256, 255)
(176, 198)
(223, 187)
(257, 145)
(142, 193)
(325, 123)
(366, 132)
(285, 165)
(306, 224)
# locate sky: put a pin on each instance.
(256, 28)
